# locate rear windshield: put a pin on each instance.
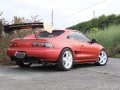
(45, 34)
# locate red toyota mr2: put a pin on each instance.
(61, 47)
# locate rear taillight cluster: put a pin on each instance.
(42, 44)
(12, 44)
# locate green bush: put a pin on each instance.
(109, 38)
(93, 30)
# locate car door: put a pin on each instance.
(75, 45)
(88, 51)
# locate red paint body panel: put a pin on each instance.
(82, 51)
(44, 54)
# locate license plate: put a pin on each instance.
(20, 54)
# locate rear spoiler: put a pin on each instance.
(18, 27)
(13, 27)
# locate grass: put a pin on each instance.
(109, 38)
(5, 60)
(116, 56)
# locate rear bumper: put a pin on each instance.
(46, 54)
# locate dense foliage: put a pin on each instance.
(99, 23)
(109, 38)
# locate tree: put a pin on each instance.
(18, 20)
(1, 23)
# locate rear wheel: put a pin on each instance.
(102, 60)
(23, 64)
(65, 60)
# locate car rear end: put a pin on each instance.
(30, 49)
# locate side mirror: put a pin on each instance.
(93, 41)
(68, 37)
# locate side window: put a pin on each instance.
(82, 37)
(73, 36)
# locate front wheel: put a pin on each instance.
(23, 64)
(103, 58)
(65, 60)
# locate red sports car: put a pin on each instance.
(62, 47)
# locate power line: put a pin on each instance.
(82, 10)
(86, 8)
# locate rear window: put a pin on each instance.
(46, 34)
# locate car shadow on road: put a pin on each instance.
(52, 68)
(83, 65)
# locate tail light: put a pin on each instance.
(42, 44)
(12, 44)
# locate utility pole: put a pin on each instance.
(94, 14)
(52, 19)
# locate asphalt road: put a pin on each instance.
(81, 77)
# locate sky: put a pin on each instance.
(66, 13)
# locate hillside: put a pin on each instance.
(99, 23)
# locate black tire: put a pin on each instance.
(23, 64)
(102, 59)
(61, 64)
